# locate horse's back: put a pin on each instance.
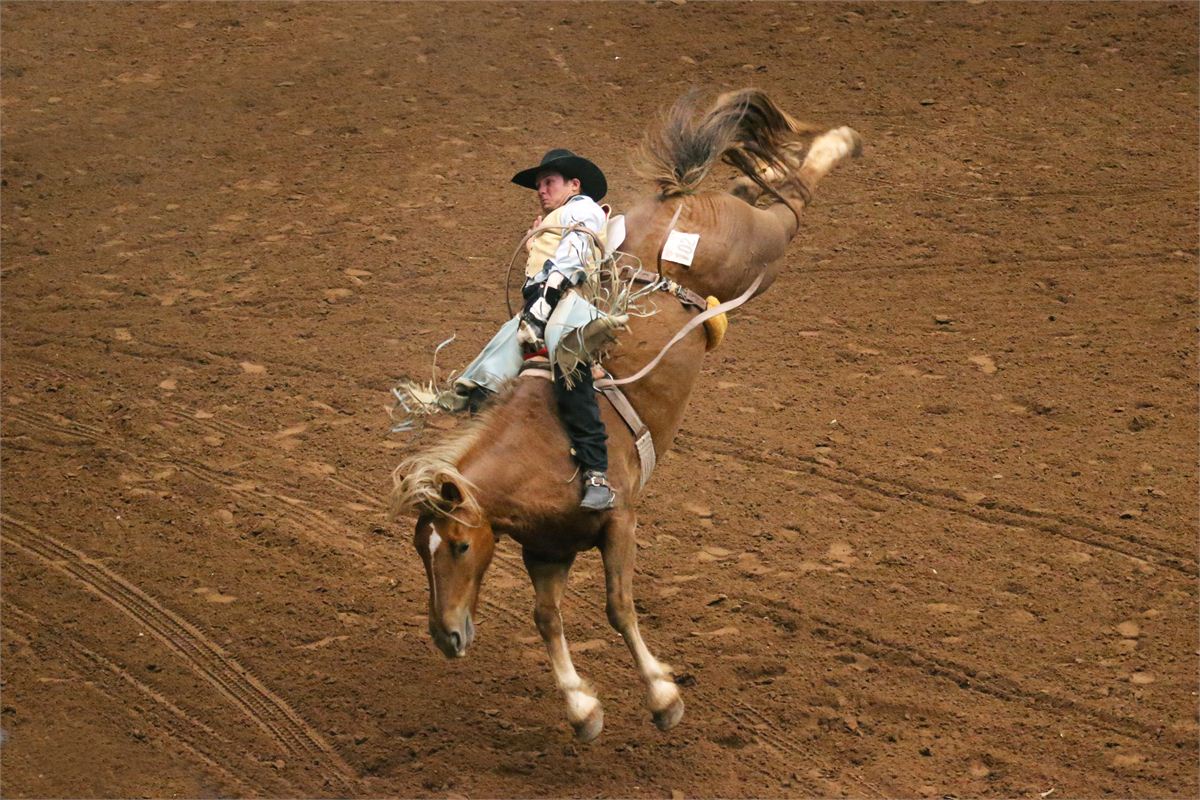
(736, 239)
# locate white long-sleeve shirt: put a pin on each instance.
(571, 255)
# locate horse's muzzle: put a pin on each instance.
(453, 641)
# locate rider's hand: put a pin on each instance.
(537, 223)
(531, 331)
(553, 288)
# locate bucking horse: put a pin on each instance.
(507, 471)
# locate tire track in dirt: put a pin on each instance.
(780, 740)
(225, 428)
(166, 352)
(234, 429)
(1000, 686)
(1001, 513)
(293, 508)
(60, 425)
(287, 507)
(210, 424)
(171, 726)
(993, 684)
(1133, 191)
(1011, 261)
(208, 659)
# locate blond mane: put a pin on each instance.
(417, 483)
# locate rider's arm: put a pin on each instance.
(571, 257)
(569, 265)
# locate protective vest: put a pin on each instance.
(545, 244)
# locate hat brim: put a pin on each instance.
(591, 180)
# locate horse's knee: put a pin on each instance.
(620, 612)
(547, 619)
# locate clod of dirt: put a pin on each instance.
(841, 553)
(713, 553)
(1129, 630)
(1128, 762)
(335, 295)
(985, 364)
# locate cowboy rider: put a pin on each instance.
(569, 189)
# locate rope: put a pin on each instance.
(696, 321)
(532, 232)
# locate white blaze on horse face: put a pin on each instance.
(435, 542)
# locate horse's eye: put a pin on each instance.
(460, 547)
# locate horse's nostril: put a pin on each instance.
(456, 640)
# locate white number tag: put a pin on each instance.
(681, 247)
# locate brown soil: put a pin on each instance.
(930, 526)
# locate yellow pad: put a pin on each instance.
(715, 328)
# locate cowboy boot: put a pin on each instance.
(597, 494)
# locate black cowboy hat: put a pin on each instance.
(591, 179)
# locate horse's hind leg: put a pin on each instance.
(827, 151)
(549, 584)
(618, 550)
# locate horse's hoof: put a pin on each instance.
(856, 142)
(669, 717)
(590, 727)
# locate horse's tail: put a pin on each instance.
(745, 127)
(430, 484)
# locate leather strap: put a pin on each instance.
(641, 434)
(537, 366)
(696, 321)
(647, 457)
(682, 293)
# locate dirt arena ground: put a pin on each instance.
(930, 527)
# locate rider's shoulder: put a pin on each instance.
(582, 206)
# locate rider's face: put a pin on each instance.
(554, 190)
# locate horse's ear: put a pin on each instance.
(451, 493)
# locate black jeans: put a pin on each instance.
(578, 407)
(579, 410)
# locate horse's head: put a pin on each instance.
(456, 551)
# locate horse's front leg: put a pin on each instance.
(619, 551)
(549, 584)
